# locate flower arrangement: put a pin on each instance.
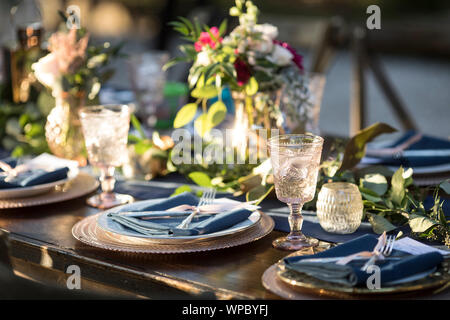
(72, 66)
(249, 60)
(74, 71)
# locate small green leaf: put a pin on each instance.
(369, 195)
(251, 87)
(380, 224)
(137, 125)
(259, 193)
(200, 178)
(181, 189)
(185, 115)
(398, 187)
(142, 146)
(356, 147)
(223, 27)
(206, 92)
(420, 223)
(202, 124)
(375, 182)
(234, 12)
(217, 113)
(445, 185)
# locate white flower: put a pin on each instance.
(46, 71)
(203, 58)
(280, 56)
(263, 45)
(267, 30)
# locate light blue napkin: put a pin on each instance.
(32, 177)
(204, 224)
(395, 267)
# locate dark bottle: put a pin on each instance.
(27, 23)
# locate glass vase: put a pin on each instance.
(300, 104)
(63, 128)
(339, 207)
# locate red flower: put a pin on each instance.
(297, 58)
(242, 71)
(205, 39)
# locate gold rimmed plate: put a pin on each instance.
(25, 192)
(294, 285)
(127, 235)
(88, 232)
(81, 185)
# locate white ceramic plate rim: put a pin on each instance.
(254, 218)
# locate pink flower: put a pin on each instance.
(242, 71)
(206, 39)
(69, 52)
(297, 58)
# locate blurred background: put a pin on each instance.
(413, 47)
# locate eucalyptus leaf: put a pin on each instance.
(251, 87)
(202, 125)
(356, 147)
(445, 185)
(217, 113)
(376, 183)
(398, 187)
(380, 224)
(181, 189)
(206, 92)
(185, 115)
(200, 178)
(420, 223)
(259, 193)
(369, 194)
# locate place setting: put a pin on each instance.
(183, 223)
(365, 266)
(41, 180)
(146, 163)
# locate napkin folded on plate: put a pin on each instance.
(411, 150)
(32, 178)
(150, 218)
(397, 266)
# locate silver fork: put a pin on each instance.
(207, 198)
(385, 250)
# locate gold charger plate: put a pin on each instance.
(293, 285)
(81, 185)
(89, 233)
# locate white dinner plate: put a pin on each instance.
(13, 193)
(109, 225)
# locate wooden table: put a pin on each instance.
(42, 247)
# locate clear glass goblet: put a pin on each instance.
(105, 130)
(295, 162)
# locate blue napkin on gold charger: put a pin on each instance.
(32, 177)
(204, 224)
(398, 265)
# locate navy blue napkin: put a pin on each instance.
(204, 225)
(32, 177)
(425, 143)
(398, 266)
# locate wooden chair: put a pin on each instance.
(336, 34)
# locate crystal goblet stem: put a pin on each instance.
(295, 163)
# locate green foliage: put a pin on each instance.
(22, 129)
(185, 115)
(356, 147)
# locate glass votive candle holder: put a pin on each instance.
(339, 207)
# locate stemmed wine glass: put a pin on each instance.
(295, 161)
(105, 130)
